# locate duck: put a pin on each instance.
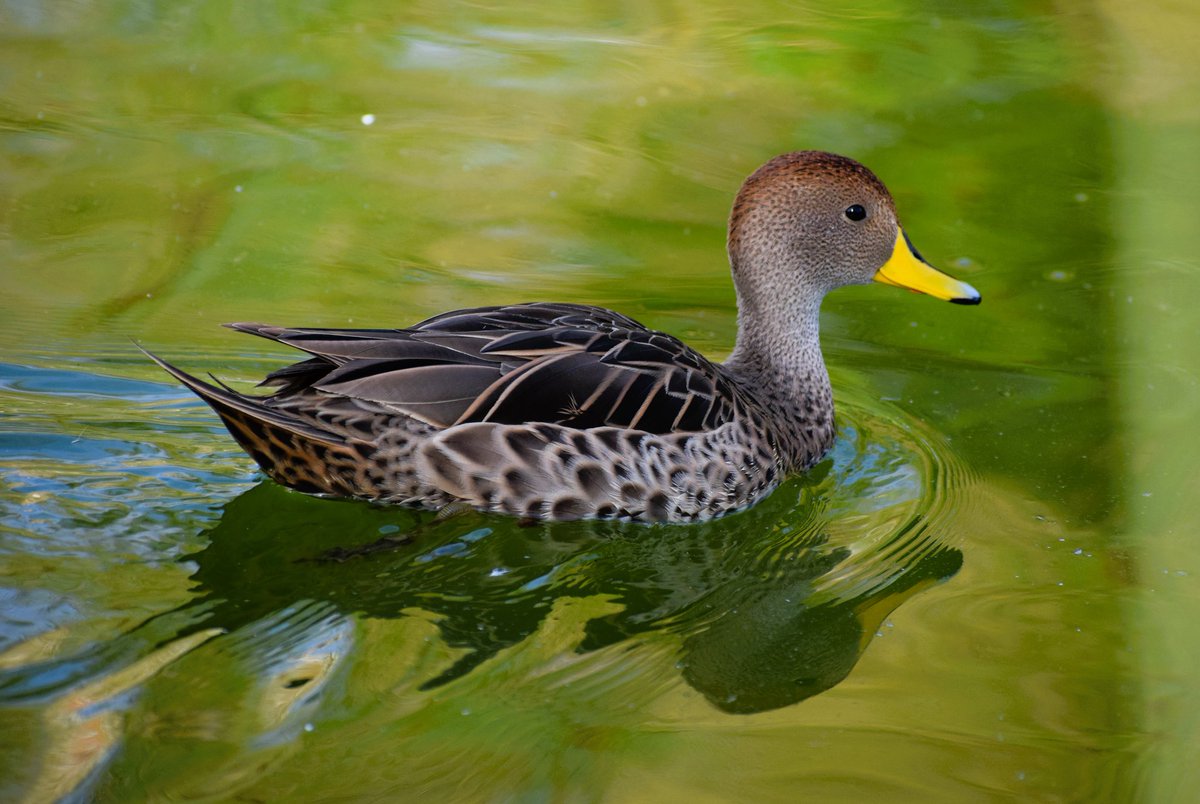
(560, 411)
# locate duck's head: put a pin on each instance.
(808, 222)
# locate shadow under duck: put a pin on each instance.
(563, 411)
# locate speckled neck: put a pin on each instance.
(778, 360)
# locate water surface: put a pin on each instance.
(988, 590)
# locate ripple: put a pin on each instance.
(76, 384)
(892, 495)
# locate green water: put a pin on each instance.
(988, 591)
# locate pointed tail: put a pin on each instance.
(291, 450)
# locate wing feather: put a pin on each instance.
(565, 364)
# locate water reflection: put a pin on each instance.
(775, 647)
(766, 607)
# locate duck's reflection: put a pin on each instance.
(749, 596)
(754, 600)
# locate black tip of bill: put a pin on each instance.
(974, 299)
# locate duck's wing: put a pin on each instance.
(621, 377)
(565, 364)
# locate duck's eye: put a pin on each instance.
(855, 212)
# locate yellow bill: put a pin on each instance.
(906, 269)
